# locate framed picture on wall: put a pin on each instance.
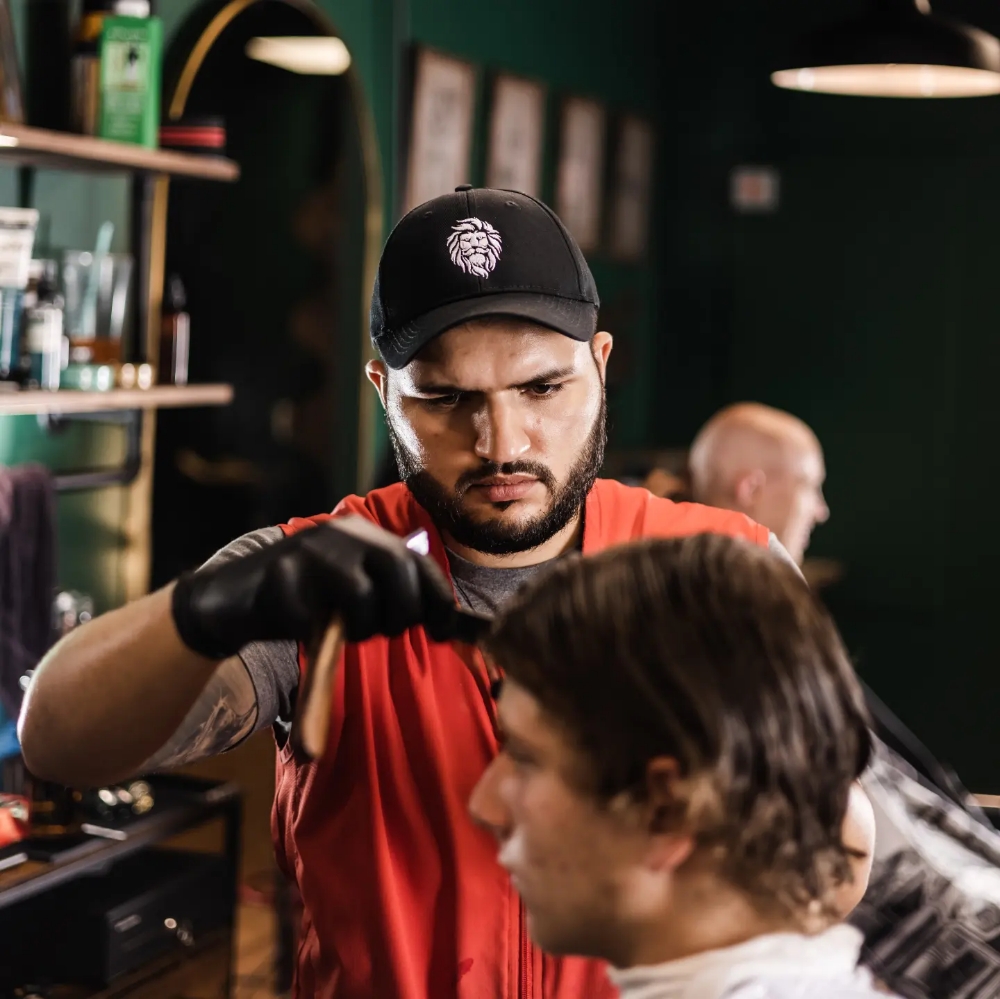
(517, 130)
(580, 173)
(633, 184)
(444, 94)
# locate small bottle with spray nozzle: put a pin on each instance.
(175, 335)
(46, 346)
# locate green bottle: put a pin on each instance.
(131, 66)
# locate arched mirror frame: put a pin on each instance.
(137, 569)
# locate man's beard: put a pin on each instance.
(492, 536)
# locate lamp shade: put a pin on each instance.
(319, 55)
(899, 49)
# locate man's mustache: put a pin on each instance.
(489, 468)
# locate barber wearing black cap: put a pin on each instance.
(491, 373)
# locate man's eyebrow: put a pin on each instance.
(435, 388)
(542, 378)
(552, 375)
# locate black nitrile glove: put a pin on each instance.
(292, 590)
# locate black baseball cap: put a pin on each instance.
(478, 252)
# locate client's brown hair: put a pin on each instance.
(712, 651)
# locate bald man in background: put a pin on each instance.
(765, 463)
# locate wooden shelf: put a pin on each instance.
(66, 151)
(158, 397)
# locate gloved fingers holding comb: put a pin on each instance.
(347, 568)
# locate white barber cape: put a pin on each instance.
(775, 966)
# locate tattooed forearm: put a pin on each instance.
(220, 719)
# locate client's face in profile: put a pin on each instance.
(600, 877)
(571, 857)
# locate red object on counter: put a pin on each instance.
(14, 811)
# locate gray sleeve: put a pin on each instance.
(273, 667)
(777, 548)
(246, 693)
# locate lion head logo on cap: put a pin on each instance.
(475, 246)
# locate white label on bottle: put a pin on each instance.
(17, 236)
(44, 330)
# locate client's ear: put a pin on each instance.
(671, 842)
(665, 803)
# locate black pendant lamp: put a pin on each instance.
(898, 49)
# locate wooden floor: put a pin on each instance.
(252, 767)
(255, 952)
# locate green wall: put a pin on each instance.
(866, 305)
